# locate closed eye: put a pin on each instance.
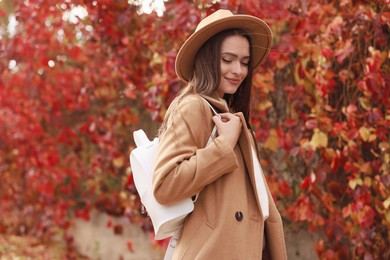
(245, 61)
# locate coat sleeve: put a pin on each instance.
(183, 165)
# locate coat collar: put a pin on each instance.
(217, 103)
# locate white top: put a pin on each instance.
(260, 185)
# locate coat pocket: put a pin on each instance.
(198, 239)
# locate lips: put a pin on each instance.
(233, 81)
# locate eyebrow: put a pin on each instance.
(235, 55)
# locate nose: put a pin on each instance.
(237, 68)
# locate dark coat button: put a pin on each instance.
(239, 215)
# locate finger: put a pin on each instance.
(229, 115)
(226, 114)
(217, 119)
(225, 117)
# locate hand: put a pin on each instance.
(229, 126)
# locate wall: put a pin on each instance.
(95, 240)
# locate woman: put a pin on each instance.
(235, 216)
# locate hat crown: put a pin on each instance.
(217, 15)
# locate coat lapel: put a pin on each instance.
(246, 150)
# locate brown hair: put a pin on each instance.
(207, 76)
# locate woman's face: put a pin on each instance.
(234, 64)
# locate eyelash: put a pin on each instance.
(228, 61)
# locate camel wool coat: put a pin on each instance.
(227, 221)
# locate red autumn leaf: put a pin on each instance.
(130, 93)
(374, 115)
(109, 224)
(351, 167)
(75, 52)
(53, 158)
(44, 61)
(305, 183)
(130, 246)
(46, 189)
(344, 51)
(125, 40)
(2, 13)
(284, 188)
(320, 247)
(327, 52)
(289, 122)
(83, 214)
(337, 162)
(351, 108)
(311, 124)
(130, 180)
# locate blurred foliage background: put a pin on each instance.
(77, 77)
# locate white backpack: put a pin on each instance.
(166, 219)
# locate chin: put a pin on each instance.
(232, 92)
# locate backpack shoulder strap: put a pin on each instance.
(214, 132)
(212, 108)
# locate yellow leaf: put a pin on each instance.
(305, 144)
(386, 203)
(264, 81)
(387, 215)
(365, 168)
(365, 103)
(319, 139)
(263, 105)
(386, 158)
(118, 162)
(123, 194)
(367, 134)
(128, 170)
(384, 146)
(272, 142)
(372, 138)
(367, 181)
(364, 133)
(353, 183)
(156, 59)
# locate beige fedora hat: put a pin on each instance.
(216, 22)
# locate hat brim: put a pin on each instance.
(259, 31)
